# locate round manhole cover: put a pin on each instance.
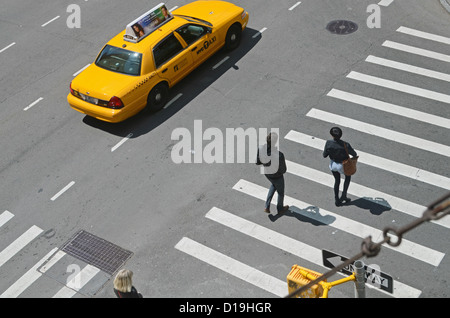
(342, 27)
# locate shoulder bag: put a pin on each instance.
(349, 164)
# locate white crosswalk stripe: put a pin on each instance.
(390, 108)
(378, 162)
(381, 132)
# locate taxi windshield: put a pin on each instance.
(119, 60)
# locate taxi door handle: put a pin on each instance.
(193, 49)
(164, 70)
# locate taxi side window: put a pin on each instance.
(166, 49)
(191, 32)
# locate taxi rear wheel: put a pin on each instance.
(157, 97)
(233, 38)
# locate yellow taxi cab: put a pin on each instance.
(135, 69)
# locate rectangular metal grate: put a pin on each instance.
(96, 251)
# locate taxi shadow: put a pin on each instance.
(310, 214)
(190, 87)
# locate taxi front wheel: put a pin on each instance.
(157, 98)
(233, 37)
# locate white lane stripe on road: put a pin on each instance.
(120, 143)
(413, 90)
(85, 67)
(417, 51)
(33, 103)
(7, 47)
(56, 196)
(32, 275)
(381, 132)
(231, 266)
(5, 217)
(287, 244)
(342, 223)
(173, 100)
(221, 62)
(19, 243)
(424, 35)
(398, 204)
(259, 32)
(385, 3)
(77, 282)
(50, 21)
(391, 108)
(294, 6)
(408, 68)
(378, 162)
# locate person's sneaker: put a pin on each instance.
(345, 200)
(284, 209)
(267, 210)
(338, 202)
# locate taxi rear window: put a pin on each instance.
(119, 60)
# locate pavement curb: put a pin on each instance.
(446, 4)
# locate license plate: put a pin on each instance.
(89, 99)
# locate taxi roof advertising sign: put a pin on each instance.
(147, 23)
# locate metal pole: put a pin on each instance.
(360, 273)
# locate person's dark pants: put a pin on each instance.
(277, 184)
(337, 183)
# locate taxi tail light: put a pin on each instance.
(71, 89)
(115, 103)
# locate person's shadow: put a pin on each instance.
(310, 214)
(376, 206)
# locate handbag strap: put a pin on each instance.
(348, 156)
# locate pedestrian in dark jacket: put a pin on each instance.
(336, 151)
(274, 168)
(123, 285)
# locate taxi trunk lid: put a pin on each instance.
(102, 84)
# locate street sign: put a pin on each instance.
(373, 276)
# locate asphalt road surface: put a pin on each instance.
(198, 229)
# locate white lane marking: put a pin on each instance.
(342, 223)
(424, 35)
(233, 267)
(5, 217)
(398, 204)
(33, 103)
(391, 108)
(173, 100)
(294, 6)
(120, 143)
(85, 67)
(57, 17)
(417, 91)
(408, 68)
(32, 275)
(380, 132)
(77, 282)
(63, 190)
(385, 3)
(417, 51)
(285, 243)
(173, 8)
(19, 243)
(259, 33)
(378, 162)
(7, 47)
(221, 62)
